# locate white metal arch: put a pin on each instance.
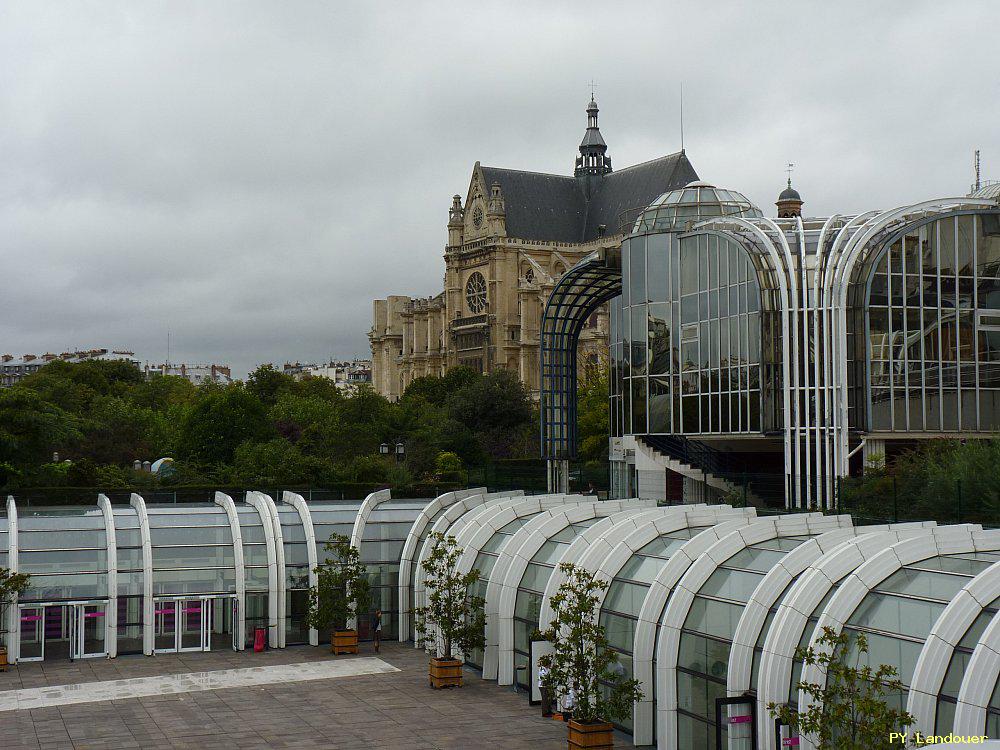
(500, 567)
(776, 582)
(111, 613)
(451, 522)
(481, 529)
(780, 262)
(427, 516)
(647, 629)
(488, 520)
(275, 567)
(802, 599)
(148, 625)
(302, 507)
(588, 552)
(501, 594)
(226, 502)
(369, 504)
(679, 605)
(979, 683)
(948, 631)
(858, 584)
(845, 263)
(13, 618)
(710, 516)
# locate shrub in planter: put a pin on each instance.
(341, 592)
(12, 585)
(454, 620)
(582, 660)
(853, 708)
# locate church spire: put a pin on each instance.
(593, 159)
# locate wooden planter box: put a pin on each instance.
(597, 736)
(445, 673)
(344, 642)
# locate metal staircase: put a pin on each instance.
(725, 471)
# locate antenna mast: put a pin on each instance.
(682, 117)
(977, 170)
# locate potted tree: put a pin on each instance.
(852, 710)
(12, 585)
(583, 665)
(341, 592)
(454, 619)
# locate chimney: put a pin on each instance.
(29, 357)
(7, 357)
(48, 356)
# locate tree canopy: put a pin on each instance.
(269, 430)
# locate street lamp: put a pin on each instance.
(384, 449)
(400, 452)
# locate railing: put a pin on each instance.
(730, 466)
(470, 320)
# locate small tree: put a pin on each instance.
(850, 711)
(454, 618)
(342, 590)
(582, 659)
(11, 585)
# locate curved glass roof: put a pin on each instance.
(677, 210)
(990, 190)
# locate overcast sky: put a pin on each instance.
(251, 175)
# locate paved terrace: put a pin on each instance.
(384, 711)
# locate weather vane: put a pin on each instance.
(789, 169)
(592, 87)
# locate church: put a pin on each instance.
(509, 242)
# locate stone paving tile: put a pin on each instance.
(396, 711)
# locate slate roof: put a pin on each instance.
(555, 207)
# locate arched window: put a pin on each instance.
(932, 328)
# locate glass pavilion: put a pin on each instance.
(780, 347)
(143, 578)
(700, 600)
(705, 603)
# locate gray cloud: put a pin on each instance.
(250, 175)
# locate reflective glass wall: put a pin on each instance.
(686, 339)
(932, 329)
(177, 585)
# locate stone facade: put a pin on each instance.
(511, 239)
(489, 313)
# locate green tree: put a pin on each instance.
(275, 463)
(219, 422)
(266, 383)
(593, 414)
(118, 431)
(164, 391)
(498, 409)
(32, 428)
(11, 585)
(342, 590)
(454, 618)
(582, 658)
(851, 710)
(448, 467)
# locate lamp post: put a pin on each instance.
(398, 448)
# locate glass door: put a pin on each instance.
(165, 626)
(32, 633)
(192, 621)
(90, 630)
(59, 631)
